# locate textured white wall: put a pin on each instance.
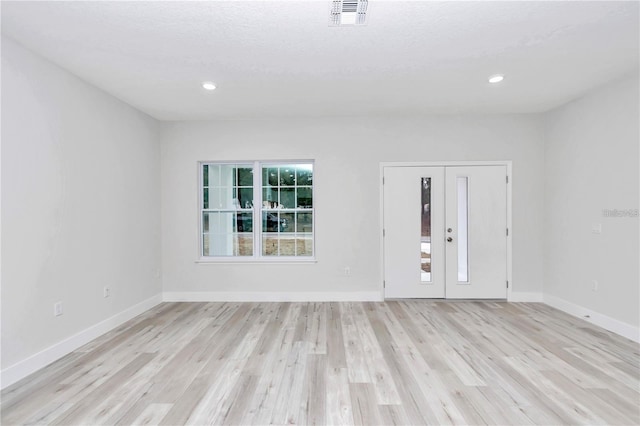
(348, 152)
(80, 197)
(591, 164)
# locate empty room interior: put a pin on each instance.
(320, 212)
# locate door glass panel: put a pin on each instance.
(425, 233)
(463, 233)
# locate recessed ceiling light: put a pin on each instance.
(209, 85)
(496, 78)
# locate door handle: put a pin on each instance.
(449, 230)
(449, 239)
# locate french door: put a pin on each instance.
(445, 232)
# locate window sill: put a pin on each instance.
(253, 260)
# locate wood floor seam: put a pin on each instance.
(400, 362)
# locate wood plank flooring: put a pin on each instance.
(397, 362)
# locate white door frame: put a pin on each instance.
(507, 163)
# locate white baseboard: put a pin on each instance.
(622, 328)
(523, 296)
(249, 296)
(22, 369)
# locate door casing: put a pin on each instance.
(507, 163)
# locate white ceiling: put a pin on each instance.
(281, 59)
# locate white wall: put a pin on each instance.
(348, 152)
(591, 164)
(80, 197)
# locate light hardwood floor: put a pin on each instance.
(398, 362)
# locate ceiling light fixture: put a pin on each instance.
(347, 12)
(208, 85)
(496, 78)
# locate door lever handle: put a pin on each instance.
(449, 239)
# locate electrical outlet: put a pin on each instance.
(596, 228)
(57, 309)
(106, 292)
(594, 285)
(347, 271)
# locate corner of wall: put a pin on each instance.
(591, 163)
(611, 324)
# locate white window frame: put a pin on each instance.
(257, 210)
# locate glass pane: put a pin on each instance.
(269, 245)
(243, 245)
(205, 198)
(287, 244)
(425, 232)
(214, 198)
(304, 245)
(287, 222)
(305, 174)
(245, 176)
(205, 222)
(288, 198)
(287, 175)
(463, 236)
(214, 175)
(305, 198)
(218, 244)
(230, 199)
(234, 222)
(232, 244)
(245, 198)
(205, 175)
(270, 176)
(269, 198)
(212, 220)
(304, 222)
(227, 175)
(270, 222)
(220, 222)
(205, 245)
(244, 222)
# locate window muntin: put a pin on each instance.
(227, 210)
(287, 209)
(257, 215)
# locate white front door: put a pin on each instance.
(445, 232)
